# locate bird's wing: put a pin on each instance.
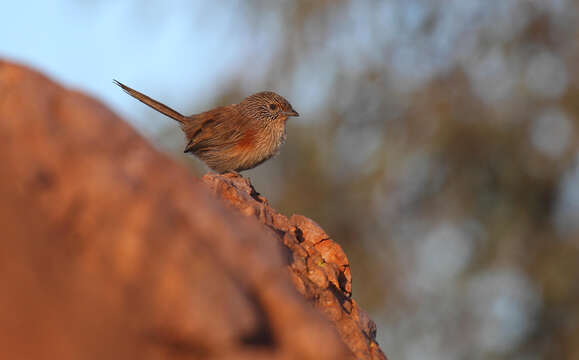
(212, 130)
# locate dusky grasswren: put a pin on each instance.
(234, 137)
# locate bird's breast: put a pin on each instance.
(248, 140)
(259, 144)
(276, 136)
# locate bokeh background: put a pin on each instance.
(437, 141)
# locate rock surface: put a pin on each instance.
(318, 266)
(110, 250)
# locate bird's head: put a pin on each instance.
(267, 106)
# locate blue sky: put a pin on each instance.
(170, 52)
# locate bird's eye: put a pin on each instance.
(272, 106)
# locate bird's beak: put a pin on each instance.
(291, 113)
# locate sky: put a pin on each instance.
(85, 44)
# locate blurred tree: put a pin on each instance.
(438, 144)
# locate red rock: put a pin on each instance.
(110, 250)
(319, 267)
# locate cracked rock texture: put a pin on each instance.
(318, 266)
(110, 250)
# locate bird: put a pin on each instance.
(235, 137)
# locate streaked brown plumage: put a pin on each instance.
(235, 137)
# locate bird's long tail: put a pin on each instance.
(162, 108)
